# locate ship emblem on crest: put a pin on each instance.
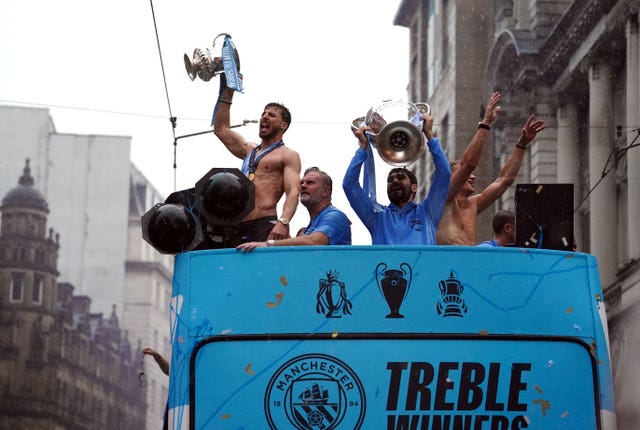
(331, 299)
(451, 303)
(315, 407)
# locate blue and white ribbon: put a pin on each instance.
(230, 67)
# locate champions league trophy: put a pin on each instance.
(204, 65)
(396, 130)
(394, 286)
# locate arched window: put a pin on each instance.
(36, 293)
(17, 287)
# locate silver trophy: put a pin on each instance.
(398, 140)
(204, 64)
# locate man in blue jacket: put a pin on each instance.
(403, 222)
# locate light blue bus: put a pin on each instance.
(395, 338)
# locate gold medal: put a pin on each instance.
(252, 176)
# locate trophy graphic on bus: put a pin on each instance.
(332, 297)
(394, 286)
(451, 303)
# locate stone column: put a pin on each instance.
(569, 159)
(633, 122)
(603, 202)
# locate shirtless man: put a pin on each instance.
(272, 167)
(458, 223)
(328, 225)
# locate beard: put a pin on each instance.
(399, 196)
(266, 133)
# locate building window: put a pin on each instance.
(444, 48)
(36, 293)
(17, 287)
(20, 254)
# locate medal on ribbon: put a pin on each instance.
(250, 162)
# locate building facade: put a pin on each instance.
(62, 366)
(445, 70)
(575, 64)
(85, 180)
(96, 197)
(147, 294)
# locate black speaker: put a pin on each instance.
(544, 216)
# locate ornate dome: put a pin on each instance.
(24, 194)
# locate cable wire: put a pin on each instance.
(172, 118)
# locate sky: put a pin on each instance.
(97, 66)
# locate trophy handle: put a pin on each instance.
(384, 267)
(406, 268)
(423, 108)
(357, 123)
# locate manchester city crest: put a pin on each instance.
(314, 392)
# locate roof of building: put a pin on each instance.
(25, 194)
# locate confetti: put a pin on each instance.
(248, 370)
(226, 331)
(539, 189)
(334, 335)
(565, 414)
(283, 280)
(569, 310)
(537, 388)
(180, 339)
(279, 297)
(226, 416)
(550, 363)
(484, 332)
(544, 405)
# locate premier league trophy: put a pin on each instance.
(396, 130)
(394, 286)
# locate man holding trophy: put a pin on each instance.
(403, 222)
(271, 166)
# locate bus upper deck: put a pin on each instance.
(381, 337)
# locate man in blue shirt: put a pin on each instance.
(403, 222)
(328, 225)
(504, 229)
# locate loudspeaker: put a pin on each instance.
(544, 216)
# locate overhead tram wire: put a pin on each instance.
(619, 153)
(172, 118)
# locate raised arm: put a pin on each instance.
(233, 140)
(510, 169)
(162, 362)
(471, 155)
(358, 198)
(440, 184)
(291, 183)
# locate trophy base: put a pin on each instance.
(394, 315)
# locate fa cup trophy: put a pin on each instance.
(205, 65)
(396, 130)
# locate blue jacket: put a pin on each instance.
(414, 224)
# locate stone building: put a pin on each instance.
(576, 64)
(96, 197)
(61, 366)
(446, 65)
